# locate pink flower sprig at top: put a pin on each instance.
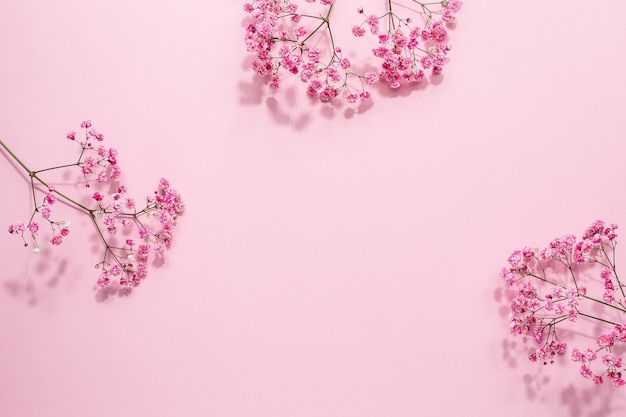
(131, 234)
(568, 289)
(406, 39)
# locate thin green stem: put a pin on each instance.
(33, 176)
(57, 167)
(105, 242)
(32, 189)
(569, 267)
(330, 9)
(604, 303)
(314, 31)
(60, 194)
(597, 318)
(330, 32)
(311, 16)
(584, 296)
(19, 161)
(546, 280)
(325, 21)
(390, 13)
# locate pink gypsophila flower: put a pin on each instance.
(454, 5)
(285, 43)
(550, 294)
(154, 223)
(358, 31)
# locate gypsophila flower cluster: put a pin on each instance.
(131, 232)
(561, 287)
(290, 37)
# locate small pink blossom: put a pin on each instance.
(143, 251)
(142, 269)
(300, 32)
(314, 86)
(17, 228)
(46, 212)
(115, 270)
(447, 16)
(351, 98)
(129, 282)
(130, 203)
(115, 172)
(328, 94)
(372, 22)
(33, 228)
(585, 371)
(314, 55)
(371, 77)
(110, 222)
(159, 249)
(454, 5)
(611, 360)
(605, 340)
(358, 31)
(104, 281)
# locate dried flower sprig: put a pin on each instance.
(564, 285)
(282, 36)
(124, 259)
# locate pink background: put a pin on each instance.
(329, 263)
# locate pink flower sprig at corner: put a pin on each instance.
(146, 230)
(571, 285)
(408, 38)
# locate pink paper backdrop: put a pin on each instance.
(329, 263)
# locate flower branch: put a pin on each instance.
(111, 215)
(545, 308)
(280, 38)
